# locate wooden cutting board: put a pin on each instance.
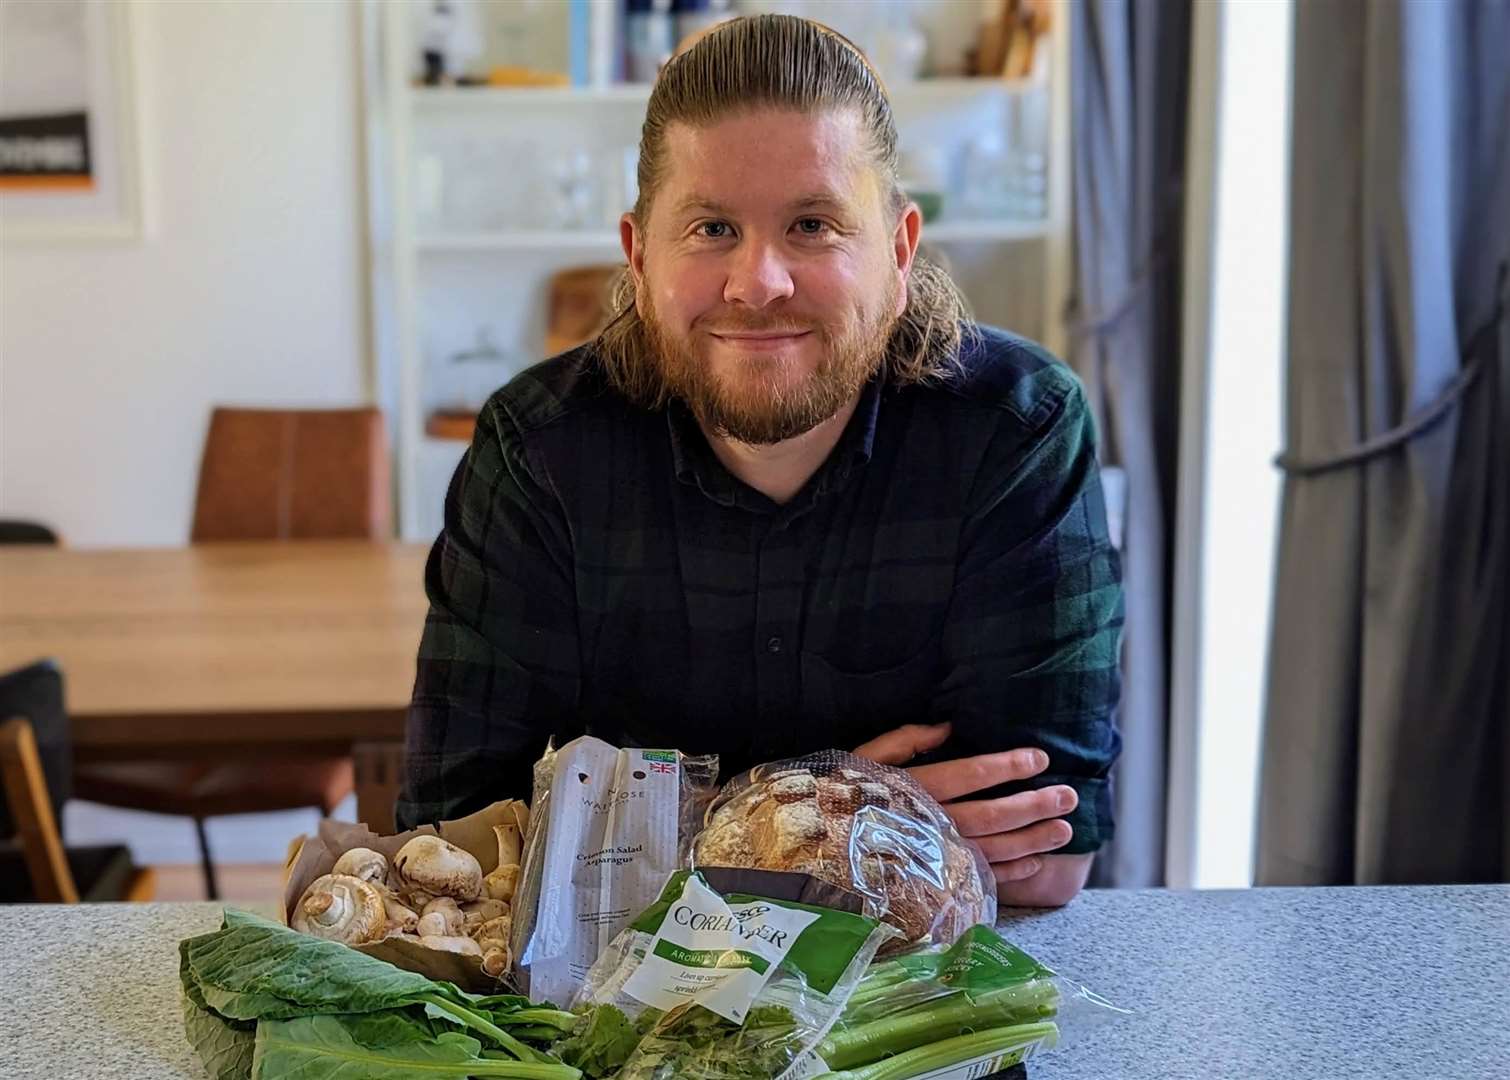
(578, 306)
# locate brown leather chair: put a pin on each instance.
(267, 474)
(293, 474)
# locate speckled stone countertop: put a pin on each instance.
(1402, 983)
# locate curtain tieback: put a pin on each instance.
(1101, 323)
(1160, 254)
(1402, 433)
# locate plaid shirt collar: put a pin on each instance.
(697, 465)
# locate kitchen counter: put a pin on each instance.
(1376, 982)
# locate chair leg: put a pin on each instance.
(210, 890)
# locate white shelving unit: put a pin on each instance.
(601, 240)
(438, 275)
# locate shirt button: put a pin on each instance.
(773, 645)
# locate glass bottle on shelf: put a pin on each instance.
(1029, 171)
(899, 46)
(649, 38)
(986, 184)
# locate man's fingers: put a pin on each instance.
(901, 745)
(1034, 840)
(986, 817)
(951, 779)
(1016, 870)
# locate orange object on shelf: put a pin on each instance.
(451, 425)
(505, 75)
(1005, 44)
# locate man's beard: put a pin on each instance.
(769, 409)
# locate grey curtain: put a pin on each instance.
(1130, 67)
(1385, 754)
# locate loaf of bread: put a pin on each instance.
(866, 827)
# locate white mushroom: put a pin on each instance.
(510, 843)
(432, 925)
(363, 863)
(440, 868)
(495, 961)
(494, 933)
(501, 883)
(465, 946)
(401, 920)
(418, 899)
(444, 907)
(478, 912)
(339, 907)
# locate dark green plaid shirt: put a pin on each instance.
(600, 571)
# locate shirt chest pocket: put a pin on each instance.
(859, 705)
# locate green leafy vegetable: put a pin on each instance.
(692, 1043)
(224, 1046)
(600, 1043)
(255, 969)
(356, 1048)
(263, 1001)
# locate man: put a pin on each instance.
(790, 499)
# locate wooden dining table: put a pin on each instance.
(251, 648)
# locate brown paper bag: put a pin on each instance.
(311, 857)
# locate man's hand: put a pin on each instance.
(1016, 831)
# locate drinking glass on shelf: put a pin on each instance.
(1030, 185)
(1029, 171)
(617, 186)
(575, 188)
(481, 185)
(628, 193)
(465, 197)
(986, 178)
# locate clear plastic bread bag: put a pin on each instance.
(607, 827)
(866, 827)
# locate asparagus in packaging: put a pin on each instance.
(608, 826)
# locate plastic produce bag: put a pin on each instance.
(730, 985)
(953, 1012)
(866, 827)
(607, 827)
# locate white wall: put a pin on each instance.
(248, 289)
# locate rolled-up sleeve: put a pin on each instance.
(498, 667)
(1033, 633)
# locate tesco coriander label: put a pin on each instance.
(715, 952)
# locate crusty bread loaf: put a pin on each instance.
(859, 825)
